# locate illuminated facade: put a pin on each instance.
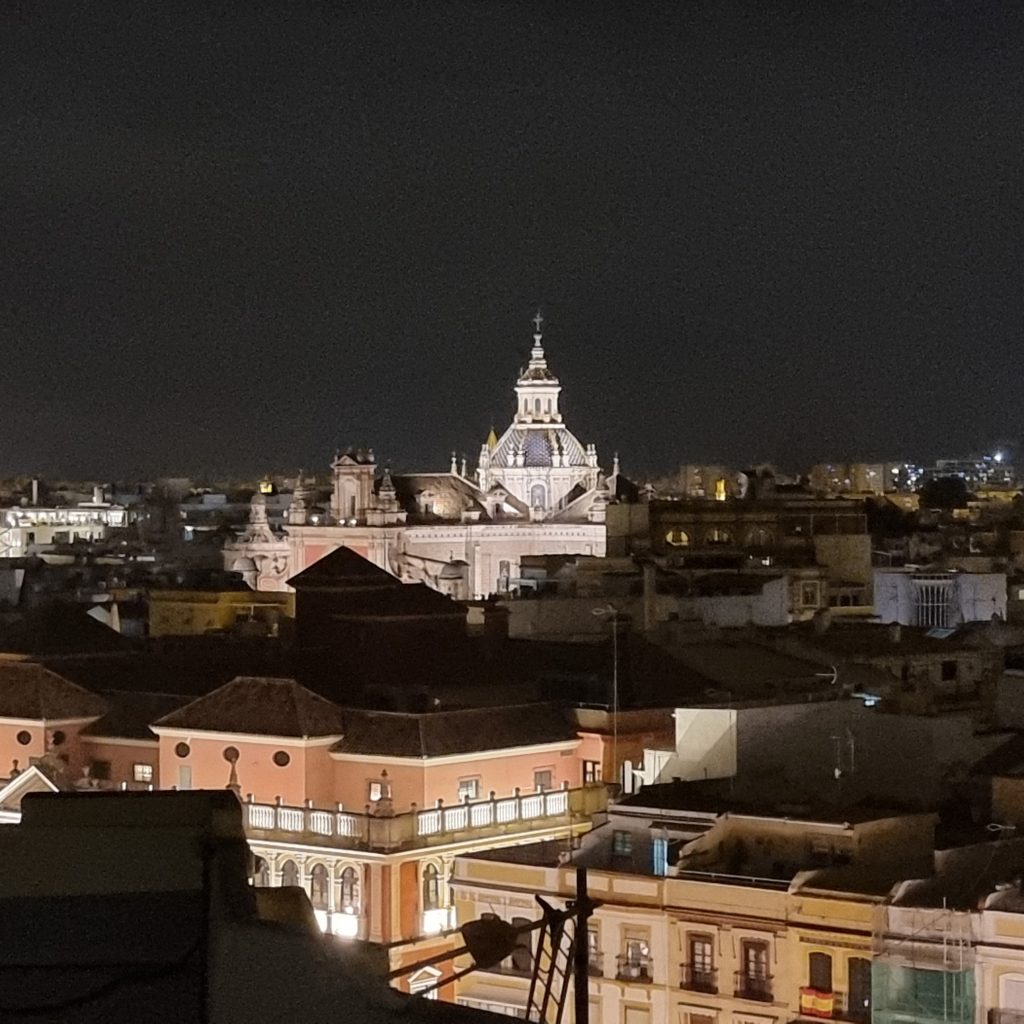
(363, 810)
(27, 529)
(537, 490)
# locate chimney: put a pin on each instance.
(35, 493)
(650, 572)
(97, 494)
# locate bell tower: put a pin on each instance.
(537, 389)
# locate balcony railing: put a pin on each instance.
(427, 827)
(634, 968)
(698, 979)
(1006, 1017)
(752, 986)
(595, 964)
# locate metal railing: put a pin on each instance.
(634, 968)
(698, 979)
(753, 986)
(429, 826)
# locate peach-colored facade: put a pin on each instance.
(123, 756)
(425, 781)
(271, 768)
(26, 740)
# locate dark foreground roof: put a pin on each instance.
(439, 733)
(262, 706)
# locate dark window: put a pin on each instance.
(289, 873)
(282, 759)
(58, 737)
(622, 843)
(24, 737)
(819, 967)
(231, 754)
(318, 883)
(99, 770)
(949, 671)
(182, 750)
(591, 771)
(542, 780)
(431, 888)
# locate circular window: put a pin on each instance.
(182, 750)
(282, 758)
(58, 737)
(231, 754)
(24, 737)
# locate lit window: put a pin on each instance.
(378, 789)
(622, 843)
(142, 772)
(469, 789)
(677, 538)
(431, 888)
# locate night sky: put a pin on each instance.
(233, 237)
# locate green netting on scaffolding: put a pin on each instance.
(903, 994)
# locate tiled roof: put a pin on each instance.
(28, 690)
(344, 567)
(439, 733)
(131, 714)
(260, 706)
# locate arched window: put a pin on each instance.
(760, 538)
(536, 406)
(318, 883)
(289, 873)
(716, 535)
(677, 538)
(431, 888)
(537, 496)
(262, 876)
(349, 891)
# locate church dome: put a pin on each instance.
(538, 446)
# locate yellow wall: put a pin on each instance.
(194, 612)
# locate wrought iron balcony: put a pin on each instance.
(634, 968)
(754, 986)
(432, 826)
(698, 979)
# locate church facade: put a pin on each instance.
(537, 490)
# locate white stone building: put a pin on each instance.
(939, 599)
(537, 490)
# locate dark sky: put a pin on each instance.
(235, 236)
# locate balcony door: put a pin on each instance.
(859, 999)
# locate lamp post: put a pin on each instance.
(611, 613)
